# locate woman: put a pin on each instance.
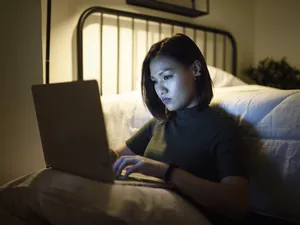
(187, 142)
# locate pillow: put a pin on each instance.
(222, 78)
(62, 198)
(124, 114)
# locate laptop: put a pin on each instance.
(73, 134)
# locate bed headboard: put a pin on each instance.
(112, 44)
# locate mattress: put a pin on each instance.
(270, 121)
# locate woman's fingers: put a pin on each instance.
(132, 169)
(124, 162)
(117, 164)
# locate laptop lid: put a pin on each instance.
(72, 128)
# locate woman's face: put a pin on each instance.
(174, 84)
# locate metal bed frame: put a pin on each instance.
(147, 18)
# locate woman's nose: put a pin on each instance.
(161, 89)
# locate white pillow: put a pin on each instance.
(124, 114)
(222, 78)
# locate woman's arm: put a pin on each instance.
(124, 150)
(138, 142)
(121, 151)
(230, 197)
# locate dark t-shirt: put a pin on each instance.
(203, 142)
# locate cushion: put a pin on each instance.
(62, 198)
(222, 78)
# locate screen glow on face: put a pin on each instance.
(173, 83)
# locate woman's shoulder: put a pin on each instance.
(218, 113)
(153, 123)
(220, 118)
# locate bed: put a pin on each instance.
(269, 119)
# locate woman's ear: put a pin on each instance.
(196, 67)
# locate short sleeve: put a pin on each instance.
(139, 141)
(230, 153)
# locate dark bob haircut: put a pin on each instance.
(183, 50)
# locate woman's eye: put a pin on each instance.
(167, 77)
(154, 81)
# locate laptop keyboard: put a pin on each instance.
(130, 178)
(139, 177)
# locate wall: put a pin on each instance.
(277, 32)
(233, 15)
(20, 67)
(237, 17)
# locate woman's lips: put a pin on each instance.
(166, 100)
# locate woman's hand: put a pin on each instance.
(139, 164)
